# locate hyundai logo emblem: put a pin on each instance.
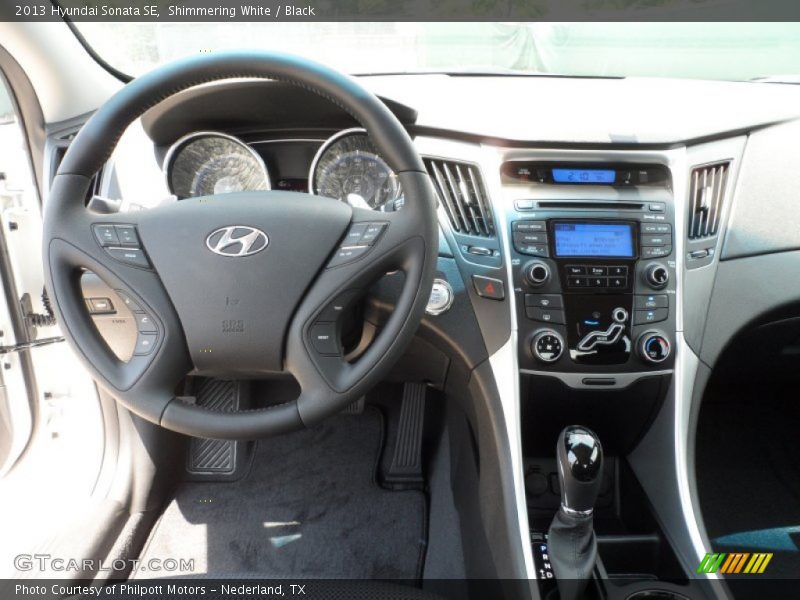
(237, 240)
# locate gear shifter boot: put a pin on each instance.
(573, 551)
(571, 545)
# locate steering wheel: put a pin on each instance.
(245, 284)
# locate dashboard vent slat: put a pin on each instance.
(462, 195)
(706, 195)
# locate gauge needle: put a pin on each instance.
(357, 201)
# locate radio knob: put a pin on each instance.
(653, 347)
(547, 346)
(657, 276)
(537, 273)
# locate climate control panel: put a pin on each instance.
(591, 285)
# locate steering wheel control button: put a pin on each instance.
(145, 343)
(129, 302)
(323, 338)
(353, 237)
(653, 347)
(372, 233)
(441, 298)
(101, 306)
(547, 346)
(642, 317)
(334, 310)
(649, 302)
(145, 324)
(347, 254)
(106, 235)
(546, 301)
(546, 315)
(127, 235)
(487, 287)
(131, 256)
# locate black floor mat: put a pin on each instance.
(309, 507)
(748, 477)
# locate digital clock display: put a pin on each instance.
(584, 175)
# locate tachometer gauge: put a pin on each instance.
(206, 163)
(348, 167)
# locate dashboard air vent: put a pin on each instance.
(462, 194)
(706, 193)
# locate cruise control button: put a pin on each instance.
(129, 302)
(372, 232)
(353, 236)
(323, 338)
(652, 301)
(106, 235)
(544, 300)
(131, 256)
(486, 287)
(642, 317)
(127, 235)
(145, 343)
(101, 306)
(545, 315)
(347, 254)
(144, 323)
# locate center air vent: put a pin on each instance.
(463, 196)
(706, 194)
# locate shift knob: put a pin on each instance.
(580, 465)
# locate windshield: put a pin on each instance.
(731, 51)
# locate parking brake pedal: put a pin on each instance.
(406, 464)
(215, 459)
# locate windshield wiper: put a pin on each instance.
(787, 79)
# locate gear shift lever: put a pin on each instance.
(571, 542)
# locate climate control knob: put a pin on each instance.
(537, 273)
(547, 346)
(653, 347)
(657, 276)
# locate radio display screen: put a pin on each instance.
(600, 240)
(584, 175)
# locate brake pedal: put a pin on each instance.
(406, 464)
(215, 458)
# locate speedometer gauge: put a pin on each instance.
(207, 163)
(348, 167)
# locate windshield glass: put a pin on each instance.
(732, 51)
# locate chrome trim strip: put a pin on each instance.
(575, 380)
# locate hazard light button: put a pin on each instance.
(488, 287)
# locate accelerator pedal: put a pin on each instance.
(405, 468)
